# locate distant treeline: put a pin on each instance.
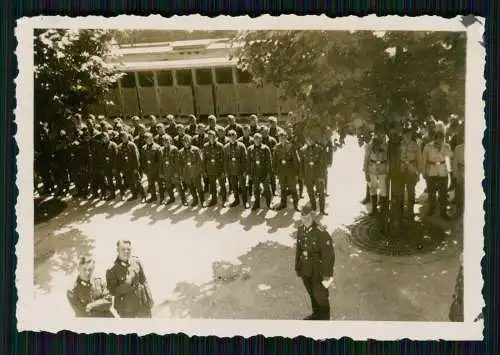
(152, 36)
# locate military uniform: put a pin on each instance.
(222, 140)
(435, 168)
(271, 143)
(286, 165)
(171, 130)
(93, 292)
(179, 141)
(200, 140)
(255, 129)
(140, 141)
(274, 131)
(191, 164)
(235, 127)
(213, 159)
(109, 159)
(235, 166)
(260, 170)
(191, 130)
(61, 164)
(376, 166)
(328, 146)
(459, 176)
(247, 141)
(130, 165)
(298, 142)
(150, 162)
(169, 174)
(314, 261)
(132, 298)
(408, 174)
(77, 159)
(44, 158)
(97, 175)
(313, 166)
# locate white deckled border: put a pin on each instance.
(358, 330)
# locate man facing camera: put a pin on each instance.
(314, 261)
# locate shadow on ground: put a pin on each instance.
(46, 209)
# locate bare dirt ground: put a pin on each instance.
(232, 263)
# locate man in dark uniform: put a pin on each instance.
(260, 168)
(213, 159)
(313, 165)
(235, 160)
(61, 163)
(44, 157)
(109, 158)
(130, 163)
(171, 127)
(298, 141)
(191, 163)
(233, 126)
(286, 165)
(170, 171)
(179, 138)
(89, 296)
(150, 162)
(191, 129)
(328, 146)
(271, 143)
(136, 121)
(96, 174)
(274, 129)
(140, 138)
(254, 125)
(212, 124)
(221, 135)
(199, 141)
(314, 262)
(128, 284)
(160, 132)
(247, 141)
(152, 125)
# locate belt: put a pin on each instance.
(409, 161)
(436, 162)
(378, 161)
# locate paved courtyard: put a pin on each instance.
(232, 263)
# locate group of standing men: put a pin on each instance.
(100, 158)
(394, 163)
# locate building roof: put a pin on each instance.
(178, 64)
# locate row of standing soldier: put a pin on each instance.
(100, 157)
(396, 164)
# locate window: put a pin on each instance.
(165, 78)
(128, 81)
(243, 77)
(224, 75)
(184, 77)
(204, 76)
(146, 79)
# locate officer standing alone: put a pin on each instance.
(314, 262)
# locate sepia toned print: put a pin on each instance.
(313, 176)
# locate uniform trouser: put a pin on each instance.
(111, 184)
(257, 180)
(319, 297)
(61, 176)
(378, 183)
(319, 184)
(288, 183)
(167, 184)
(404, 182)
(212, 186)
(301, 186)
(273, 183)
(237, 186)
(45, 173)
(152, 181)
(193, 183)
(133, 178)
(438, 185)
(206, 183)
(249, 185)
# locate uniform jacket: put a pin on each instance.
(270, 142)
(140, 141)
(134, 298)
(329, 151)
(433, 161)
(274, 130)
(150, 159)
(376, 162)
(213, 158)
(312, 162)
(255, 129)
(247, 141)
(171, 130)
(236, 127)
(286, 160)
(235, 159)
(109, 155)
(191, 162)
(92, 292)
(409, 157)
(314, 255)
(178, 141)
(169, 162)
(191, 129)
(129, 155)
(223, 140)
(260, 161)
(200, 140)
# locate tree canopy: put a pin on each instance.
(72, 72)
(359, 82)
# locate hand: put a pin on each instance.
(327, 281)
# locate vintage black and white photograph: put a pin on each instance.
(319, 176)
